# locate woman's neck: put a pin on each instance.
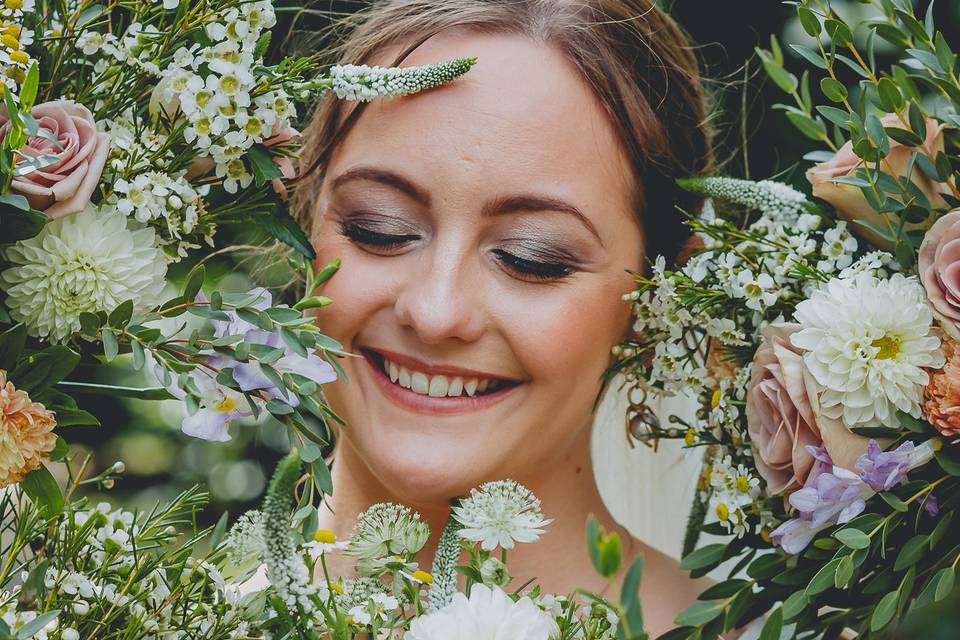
(564, 484)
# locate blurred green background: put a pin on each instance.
(753, 141)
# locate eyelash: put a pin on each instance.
(526, 269)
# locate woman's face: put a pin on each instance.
(484, 229)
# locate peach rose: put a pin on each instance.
(941, 396)
(783, 416)
(25, 432)
(939, 266)
(65, 186)
(849, 201)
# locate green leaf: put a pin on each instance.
(120, 316)
(310, 453)
(896, 503)
(285, 229)
(321, 475)
(700, 613)
(110, 346)
(28, 90)
(724, 589)
(33, 627)
(811, 56)
(853, 538)
(813, 129)
(911, 552)
(220, 530)
(44, 491)
(883, 613)
(839, 32)
(68, 417)
(944, 580)
(917, 122)
(45, 368)
(947, 463)
(262, 164)
(833, 89)
(193, 284)
(60, 449)
(773, 625)
(703, 557)
(610, 555)
(630, 598)
(18, 224)
(890, 97)
(844, 572)
(809, 21)
(795, 604)
(824, 579)
(11, 345)
(780, 76)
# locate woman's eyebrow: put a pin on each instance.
(386, 177)
(527, 202)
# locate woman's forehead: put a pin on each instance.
(523, 113)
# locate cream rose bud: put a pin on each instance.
(783, 416)
(66, 185)
(848, 200)
(939, 268)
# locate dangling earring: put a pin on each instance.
(640, 421)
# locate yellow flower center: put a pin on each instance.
(325, 536)
(13, 30)
(20, 57)
(689, 437)
(10, 42)
(723, 512)
(715, 399)
(765, 534)
(889, 346)
(423, 576)
(13, 4)
(226, 405)
(335, 587)
(743, 484)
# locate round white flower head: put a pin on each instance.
(499, 514)
(489, 614)
(91, 261)
(387, 529)
(868, 341)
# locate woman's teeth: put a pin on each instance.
(436, 386)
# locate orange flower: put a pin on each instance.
(25, 432)
(941, 397)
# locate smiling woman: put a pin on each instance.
(485, 229)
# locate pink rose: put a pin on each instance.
(65, 186)
(939, 267)
(783, 416)
(849, 201)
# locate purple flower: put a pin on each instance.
(931, 506)
(883, 470)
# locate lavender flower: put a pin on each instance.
(883, 470)
(835, 495)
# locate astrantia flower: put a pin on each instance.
(489, 614)
(91, 261)
(25, 432)
(387, 529)
(868, 360)
(499, 514)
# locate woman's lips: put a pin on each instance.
(419, 403)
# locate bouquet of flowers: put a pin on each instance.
(822, 336)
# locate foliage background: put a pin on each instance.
(753, 142)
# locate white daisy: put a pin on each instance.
(499, 514)
(868, 342)
(91, 261)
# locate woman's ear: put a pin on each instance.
(693, 244)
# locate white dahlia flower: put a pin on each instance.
(867, 342)
(91, 261)
(489, 614)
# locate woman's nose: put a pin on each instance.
(440, 301)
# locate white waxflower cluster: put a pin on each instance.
(500, 514)
(106, 545)
(729, 487)
(90, 261)
(14, 38)
(364, 83)
(168, 202)
(227, 107)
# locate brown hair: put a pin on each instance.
(636, 59)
